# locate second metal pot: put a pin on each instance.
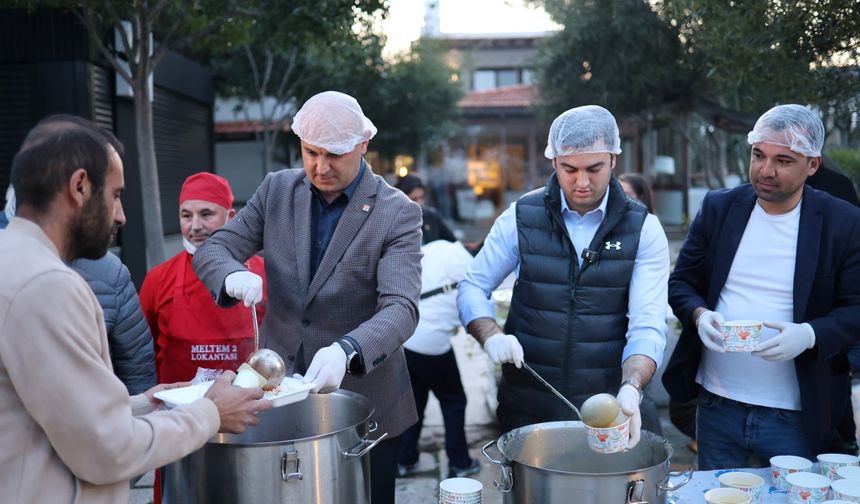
(551, 463)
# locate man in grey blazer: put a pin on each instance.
(343, 264)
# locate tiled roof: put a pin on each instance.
(520, 95)
(228, 127)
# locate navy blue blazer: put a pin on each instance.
(826, 295)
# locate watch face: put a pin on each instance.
(352, 364)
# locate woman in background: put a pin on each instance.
(637, 187)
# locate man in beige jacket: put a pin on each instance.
(69, 430)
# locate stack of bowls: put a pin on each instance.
(807, 487)
(460, 491)
(845, 489)
(830, 463)
(783, 465)
(848, 472)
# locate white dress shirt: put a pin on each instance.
(646, 308)
(754, 292)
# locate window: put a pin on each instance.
(492, 78)
(507, 77)
(484, 80)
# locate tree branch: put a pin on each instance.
(128, 47)
(142, 43)
(267, 72)
(164, 44)
(250, 121)
(291, 64)
(186, 40)
(89, 22)
(254, 72)
(155, 12)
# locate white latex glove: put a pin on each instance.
(628, 399)
(791, 341)
(504, 348)
(708, 325)
(244, 286)
(327, 369)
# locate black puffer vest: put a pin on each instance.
(571, 322)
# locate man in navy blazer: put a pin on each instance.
(779, 251)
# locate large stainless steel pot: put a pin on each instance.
(551, 463)
(307, 452)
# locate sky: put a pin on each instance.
(406, 17)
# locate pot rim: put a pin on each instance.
(501, 445)
(364, 401)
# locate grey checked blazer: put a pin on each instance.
(367, 285)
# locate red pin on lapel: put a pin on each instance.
(365, 208)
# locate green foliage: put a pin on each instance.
(756, 53)
(306, 46)
(744, 55)
(290, 47)
(617, 54)
(411, 100)
(849, 161)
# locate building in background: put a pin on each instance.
(498, 154)
(238, 152)
(49, 66)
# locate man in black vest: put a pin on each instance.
(588, 311)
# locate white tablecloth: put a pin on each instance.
(702, 481)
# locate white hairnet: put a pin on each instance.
(793, 126)
(583, 130)
(333, 121)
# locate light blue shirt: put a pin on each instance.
(646, 307)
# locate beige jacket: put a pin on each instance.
(67, 427)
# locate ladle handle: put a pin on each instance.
(256, 327)
(552, 389)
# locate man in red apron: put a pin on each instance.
(189, 330)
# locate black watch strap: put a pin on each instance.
(351, 353)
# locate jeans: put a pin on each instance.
(729, 432)
(438, 374)
(683, 416)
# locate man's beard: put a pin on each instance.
(92, 233)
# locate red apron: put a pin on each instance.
(202, 334)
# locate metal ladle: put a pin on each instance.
(552, 389)
(266, 362)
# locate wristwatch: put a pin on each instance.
(633, 382)
(350, 352)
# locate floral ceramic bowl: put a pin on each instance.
(807, 487)
(741, 335)
(609, 439)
